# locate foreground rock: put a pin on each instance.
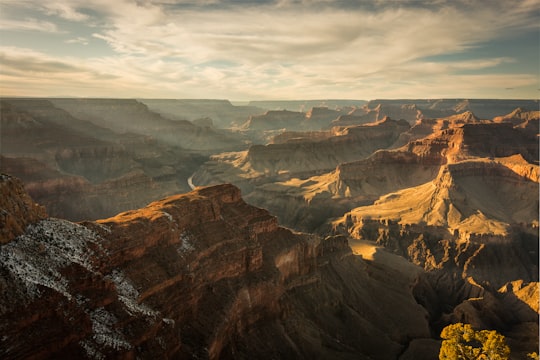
(197, 275)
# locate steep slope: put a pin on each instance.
(302, 156)
(483, 108)
(469, 198)
(518, 117)
(222, 113)
(367, 115)
(306, 203)
(275, 119)
(79, 170)
(476, 216)
(202, 275)
(428, 126)
(124, 115)
(17, 209)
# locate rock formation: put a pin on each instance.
(223, 114)
(366, 115)
(429, 126)
(476, 216)
(202, 275)
(79, 170)
(275, 120)
(438, 108)
(17, 209)
(123, 116)
(303, 155)
(407, 226)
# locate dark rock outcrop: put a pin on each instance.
(201, 275)
(17, 210)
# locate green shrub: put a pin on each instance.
(462, 342)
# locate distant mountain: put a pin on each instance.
(483, 108)
(304, 105)
(222, 112)
(132, 116)
(80, 170)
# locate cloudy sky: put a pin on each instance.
(281, 49)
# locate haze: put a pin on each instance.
(243, 50)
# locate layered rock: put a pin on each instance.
(124, 115)
(367, 115)
(319, 117)
(350, 143)
(203, 275)
(299, 155)
(307, 204)
(437, 108)
(428, 126)
(275, 120)
(74, 167)
(476, 216)
(222, 113)
(17, 209)
(477, 140)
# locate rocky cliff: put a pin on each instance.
(17, 209)
(483, 108)
(79, 170)
(476, 216)
(199, 275)
(124, 116)
(222, 113)
(303, 153)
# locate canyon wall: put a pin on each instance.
(202, 275)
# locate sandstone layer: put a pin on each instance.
(79, 170)
(124, 116)
(201, 275)
(302, 155)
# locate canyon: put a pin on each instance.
(202, 229)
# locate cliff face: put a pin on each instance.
(315, 119)
(222, 113)
(276, 119)
(483, 108)
(474, 217)
(123, 116)
(79, 170)
(472, 140)
(347, 144)
(366, 115)
(297, 155)
(17, 209)
(196, 275)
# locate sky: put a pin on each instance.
(268, 50)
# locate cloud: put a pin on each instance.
(28, 25)
(293, 48)
(64, 10)
(77, 40)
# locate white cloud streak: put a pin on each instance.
(28, 25)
